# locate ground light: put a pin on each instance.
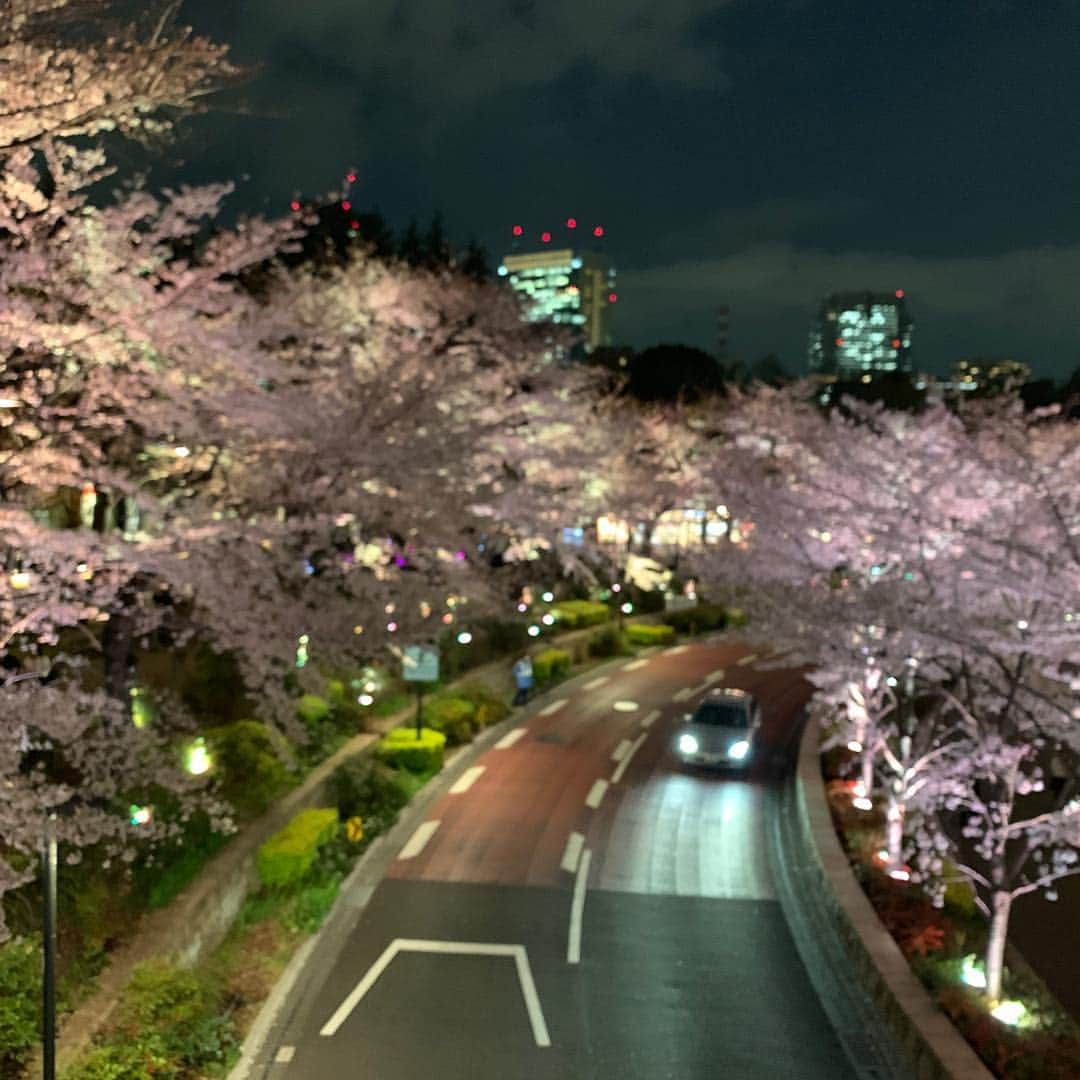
(197, 757)
(140, 815)
(548, 597)
(972, 974)
(365, 699)
(548, 619)
(627, 608)
(862, 803)
(534, 631)
(1009, 1012)
(464, 637)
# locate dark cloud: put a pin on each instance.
(751, 152)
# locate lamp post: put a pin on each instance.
(48, 981)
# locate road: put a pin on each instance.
(578, 905)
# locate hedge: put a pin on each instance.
(696, 619)
(455, 717)
(550, 664)
(287, 856)
(641, 634)
(574, 614)
(402, 749)
(605, 642)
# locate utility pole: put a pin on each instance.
(48, 982)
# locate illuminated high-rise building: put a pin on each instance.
(566, 287)
(861, 334)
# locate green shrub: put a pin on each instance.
(312, 709)
(640, 634)
(171, 1014)
(370, 791)
(737, 617)
(605, 642)
(253, 774)
(312, 905)
(287, 856)
(573, 614)
(20, 997)
(550, 664)
(453, 716)
(490, 707)
(649, 602)
(403, 750)
(698, 619)
(122, 1061)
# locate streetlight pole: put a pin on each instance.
(48, 982)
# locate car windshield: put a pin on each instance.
(722, 714)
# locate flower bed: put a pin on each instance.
(1028, 1035)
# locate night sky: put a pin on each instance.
(755, 154)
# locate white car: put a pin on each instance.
(721, 732)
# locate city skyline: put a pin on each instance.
(758, 156)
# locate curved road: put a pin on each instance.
(579, 905)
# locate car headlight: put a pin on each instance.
(738, 750)
(687, 743)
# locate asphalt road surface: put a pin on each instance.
(580, 905)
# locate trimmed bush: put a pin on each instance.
(737, 617)
(550, 664)
(403, 750)
(253, 773)
(697, 619)
(287, 856)
(605, 642)
(650, 635)
(20, 997)
(312, 709)
(453, 716)
(574, 614)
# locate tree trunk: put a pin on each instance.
(894, 830)
(995, 945)
(866, 770)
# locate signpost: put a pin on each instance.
(419, 665)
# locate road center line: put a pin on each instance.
(574, 843)
(467, 779)
(554, 707)
(592, 684)
(684, 694)
(577, 910)
(418, 840)
(635, 664)
(649, 719)
(714, 676)
(617, 775)
(743, 661)
(620, 751)
(675, 649)
(284, 1054)
(596, 794)
(510, 738)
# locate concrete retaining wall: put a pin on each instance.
(934, 1046)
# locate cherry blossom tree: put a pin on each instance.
(955, 537)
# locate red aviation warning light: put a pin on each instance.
(351, 177)
(839, 341)
(598, 231)
(612, 297)
(896, 343)
(899, 294)
(294, 205)
(346, 205)
(517, 230)
(571, 222)
(545, 237)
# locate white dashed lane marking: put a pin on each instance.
(418, 840)
(510, 738)
(554, 707)
(596, 794)
(467, 779)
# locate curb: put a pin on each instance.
(933, 1046)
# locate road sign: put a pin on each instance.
(420, 663)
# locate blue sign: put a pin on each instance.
(420, 663)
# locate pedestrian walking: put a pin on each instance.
(523, 676)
